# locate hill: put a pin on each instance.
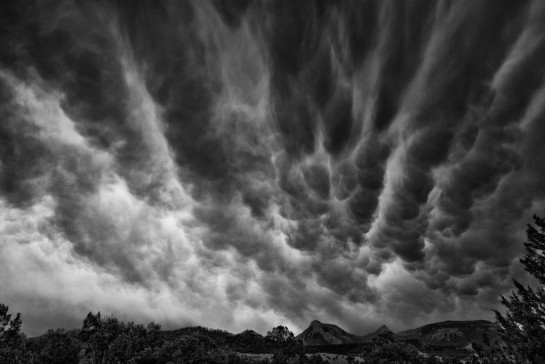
(451, 333)
(325, 334)
(320, 334)
(446, 333)
(375, 334)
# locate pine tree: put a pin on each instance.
(9, 327)
(534, 261)
(11, 338)
(523, 327)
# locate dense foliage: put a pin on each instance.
(109, 340)
(523, 327)
(11, 339)
(386, 349)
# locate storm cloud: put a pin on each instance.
(244, 164)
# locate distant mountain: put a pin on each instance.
(446, 333)
(451, 333)
(381, 330)
(319, 333)
(325, 334)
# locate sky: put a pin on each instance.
(247, 164)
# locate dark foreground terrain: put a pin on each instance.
(109, 340)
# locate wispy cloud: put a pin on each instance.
(247, 164)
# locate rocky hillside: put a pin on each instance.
(319, 333)
(325, 334)
(446, 333)
(381, 330)
(451, 333)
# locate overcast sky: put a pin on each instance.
(245, 164)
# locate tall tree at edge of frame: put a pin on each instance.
(523, 326)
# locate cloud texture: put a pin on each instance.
(244, 164)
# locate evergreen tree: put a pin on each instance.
(9, 327)
(11, 338)
(523, 327)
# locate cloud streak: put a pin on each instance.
(247, 164)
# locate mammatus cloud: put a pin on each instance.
(241, 164)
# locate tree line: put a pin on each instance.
(109, 340)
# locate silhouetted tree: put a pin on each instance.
(489, 352)
(287, 346)
(386, 349)
(11, 339)
(523, 326)
(280, 334)
(59, 347)
(9, 327)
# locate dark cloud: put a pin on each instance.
(274, 161)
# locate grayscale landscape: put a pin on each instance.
(272, 181)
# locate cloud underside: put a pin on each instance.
(242, 164)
